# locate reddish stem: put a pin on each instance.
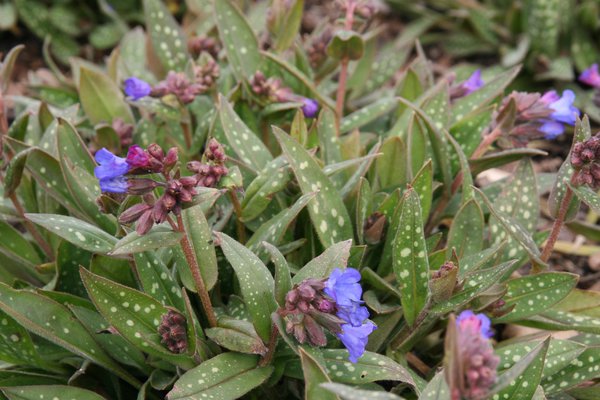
(190, 256)
(266, 359)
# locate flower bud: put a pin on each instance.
(133, 213)
(156, 151)
(171, 158)
(173, 333)
(141, 186)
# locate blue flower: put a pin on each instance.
(468, 317)
(551, 129)
(591, 76)
(111, 171)
(310, 107)
(137, 88)
(354, 314)
(563, 109)
(474, 82)
(355, 338)
(343, 287)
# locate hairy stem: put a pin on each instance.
(237, 207)
(190, 256)
(559, 221)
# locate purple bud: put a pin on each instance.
(591, 76)
(137, 88)
(310, 108)
(137, 157)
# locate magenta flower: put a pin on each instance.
(137, 157)
(591, 76)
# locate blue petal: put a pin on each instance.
(355, 338)
(114, 185)
(551, 129)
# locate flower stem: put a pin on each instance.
(188, 251)
(241, 229)
(341, 90)
(266, 359)
(558, 222)
(187, 134)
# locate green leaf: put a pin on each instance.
(159, 236)
(135, 315)
(156, 279)
(227, 376)
(101, 98)
(272, 179)
(581, 369)
(410, 258)
(16, 346)
(239, 41)
(560, 354)
(54, 392)
(327, 210)
(501, 158)
(523, 385)
(314, 374)
(283, 279)
(166, 37)
(55, 323)
(436, 389)
(367, 114)
(275, 228)
(256, 283)
(519, 201)
(563, 321)
(14, 172)
(371, 367)
(481, 98)
(320, 267)
(237, 335)
(423, 184)
(200, 236)
(329, 144)
(345, 392)
(15, 245)
(588, 196)
(346, 44)
(533, 294)
(8, 63)
(391, 167)
(514, 229)
(466, 231)
(242, 140)
(76, 231)
(288, 30)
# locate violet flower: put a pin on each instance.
(344, 288)
(137, 88)
(110, 173)
(310, 108)
(473, 83)
(591, 76)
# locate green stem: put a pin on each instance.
(237, 207)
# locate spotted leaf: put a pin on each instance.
(166, 37)
(436, 389)
(159, 236)
(327, 210)
(239, 41)
(256, 283)
(535, 293)
(270, 180)
(333, 257)
(410, 258)
(275, 228)
(588, 196)
(78, 232)
(249, 148)
(582, 369)
(466, 232)
(371, 367)
(54, 392)
(227, 376)
(55, 323)
(101, 98)
(563, 320)
(352, 393)
(237, 335)
(367, 114)
(156, 279)
(133, 314)
(200, 237)
(314, 373)
(283, 279)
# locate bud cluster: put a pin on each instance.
(173, 332)
(204, 44)
(272, 90)
(585, 158)
(179, 85)
(119, 175)
(210, 173)
(317, 48)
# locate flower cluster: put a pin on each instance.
(176, 84)
(334, 304)
(585, 158)
(536, 115)
(472, 84)
(343, 286)
(200, 44)
(172, 331)
(272, 90)
(475, 356)
(121, 175)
